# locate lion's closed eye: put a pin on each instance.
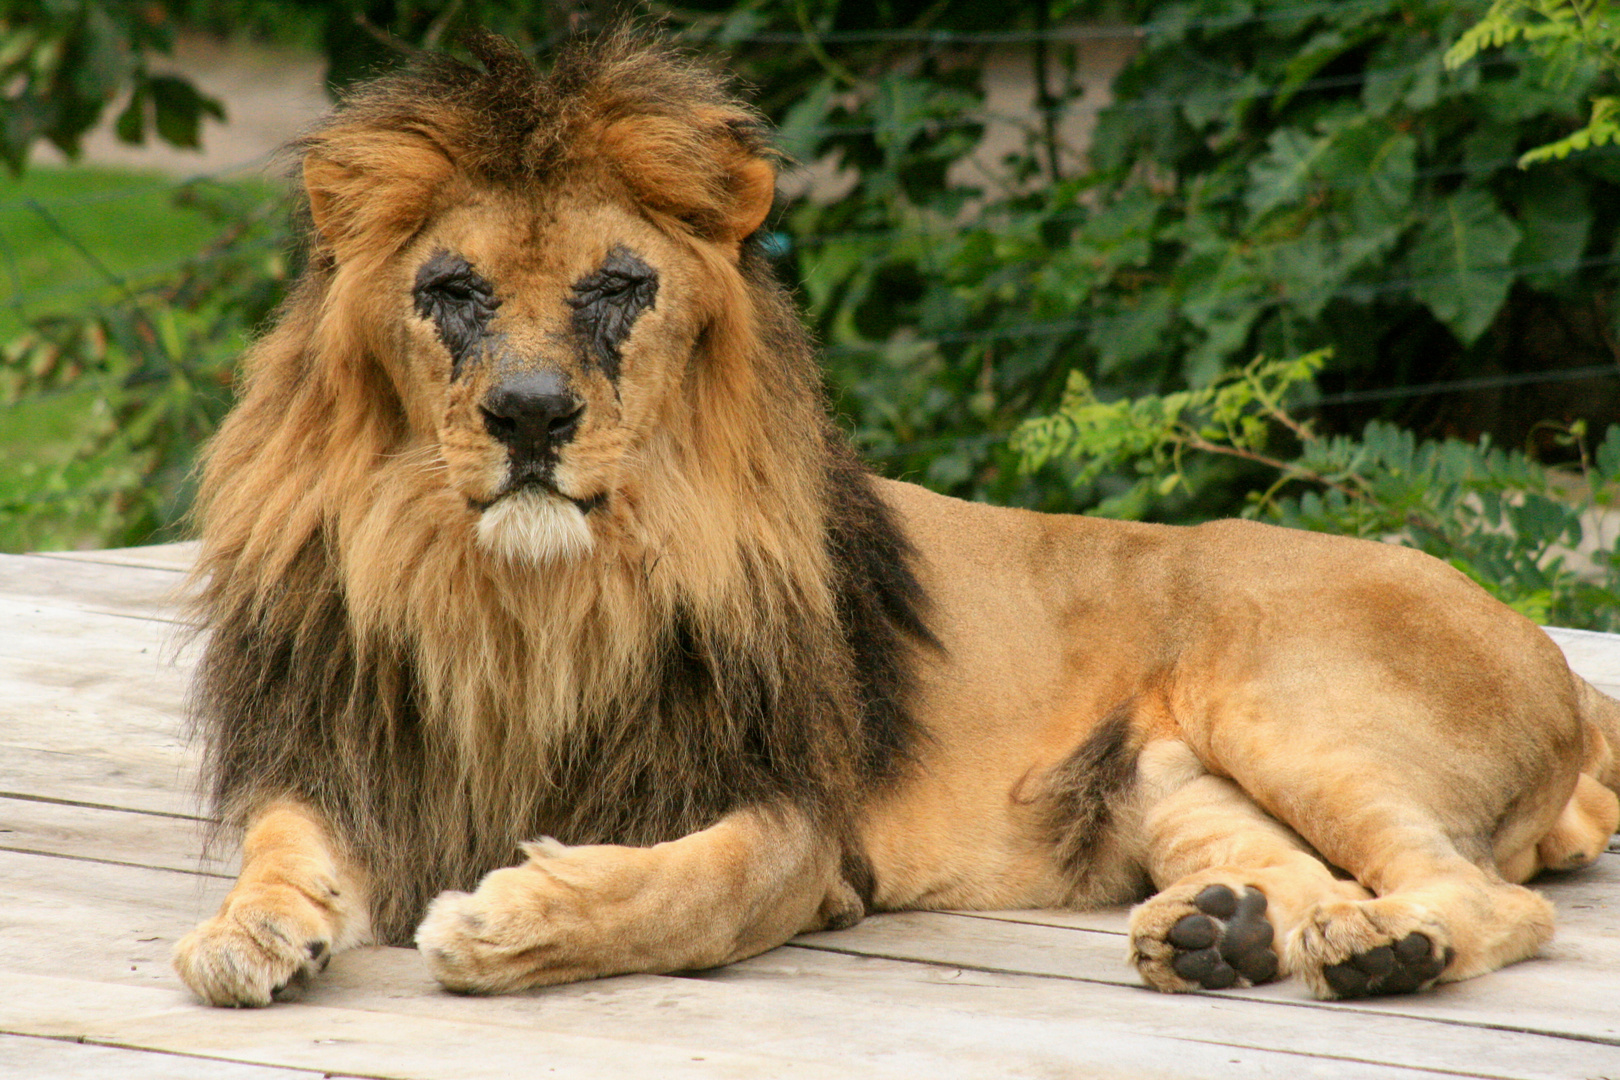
(608, 301)
(459, 302)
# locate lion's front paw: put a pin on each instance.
(1203, 936)
(251, 953)
(521, 928)
(1360, 949)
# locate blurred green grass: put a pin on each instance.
(58, 224)
(73, 239)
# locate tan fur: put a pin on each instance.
(750, 689)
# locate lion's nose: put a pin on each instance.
(532, 412)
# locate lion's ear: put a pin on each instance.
(372, 194)
(712, 173)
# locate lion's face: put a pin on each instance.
(535, 272)
(542, 343)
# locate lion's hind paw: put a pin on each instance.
(1217, 938)
(1369, 949)
(1409, 964)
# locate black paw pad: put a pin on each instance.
(1409, 964)
(1229, 939)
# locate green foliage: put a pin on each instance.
(64, 62)
(1534, 537)
(1575, 36)
(105, 405)
(1269, 179)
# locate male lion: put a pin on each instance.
(530, 523)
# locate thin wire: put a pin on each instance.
(83, 285)
(1076, 33)
(1480, 382)
(1486, 382)
(129, 191)
(1008, 219)
(1154, 104)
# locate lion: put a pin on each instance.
(552, 624)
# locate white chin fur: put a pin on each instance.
(535, 526)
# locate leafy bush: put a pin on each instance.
(1534, 537)
(1576, 36)
(1271, 178)
(63, 62)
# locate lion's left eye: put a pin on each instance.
(608, 301)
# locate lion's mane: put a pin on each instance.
(441, 705)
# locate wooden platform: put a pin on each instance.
(100, 872)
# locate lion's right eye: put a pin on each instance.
(458, 301)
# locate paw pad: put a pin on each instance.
(1228, 939)
(1411, 963)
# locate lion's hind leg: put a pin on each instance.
(1235, 882)
(1438, 916)
(1576, 839)
(295, 903)
(1426, 845)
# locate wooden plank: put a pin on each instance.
(137, 591)
(113, 836)
(1212, 1017)
(645, 1026)
(91, 708)
(92, 743)
(105, 642)
(787, 1006)
(177, 557)
(1113, 920)
(347, 1041)
(114, 776)
(25, 1057)
(118, 925)
(110, 924)
(1593, 656)
(1569, 993)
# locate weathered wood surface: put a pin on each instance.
(102, 868)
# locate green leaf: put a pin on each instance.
(179, 110)
(1556, 215)
(1461, 262)
(1283, 173)
(131, 124)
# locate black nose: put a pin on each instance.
(532, 412)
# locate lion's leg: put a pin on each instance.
(1437, 914)
(1578, 837)
(1235, 882)
(295, 903)
(744, 885)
